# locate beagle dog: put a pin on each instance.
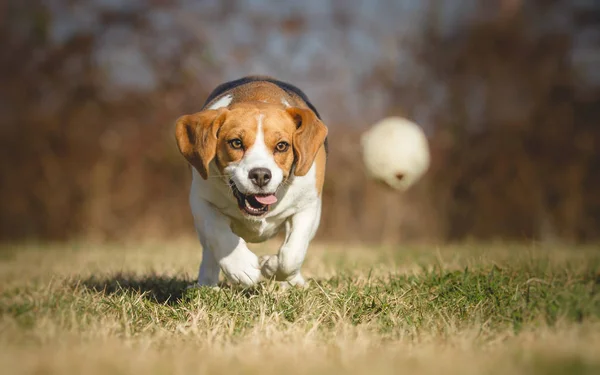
(258, 149)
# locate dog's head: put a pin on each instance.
(255, 146)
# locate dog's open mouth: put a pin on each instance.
(253, 204)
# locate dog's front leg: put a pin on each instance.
(300, 230)
(222, 249)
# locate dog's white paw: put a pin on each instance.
(243, 269)
(269, 265)
(296, 280)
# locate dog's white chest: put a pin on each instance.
(256, 230)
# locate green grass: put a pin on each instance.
(472, 308)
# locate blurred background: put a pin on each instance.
(508, 92)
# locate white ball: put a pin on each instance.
(395, 151)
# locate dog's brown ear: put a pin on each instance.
(197, 137)
(308, 139)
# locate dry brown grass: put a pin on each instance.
(96, 309)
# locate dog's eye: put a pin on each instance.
(282, 146)
(236, 143)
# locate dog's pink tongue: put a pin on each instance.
(266, 199)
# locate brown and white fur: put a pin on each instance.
(256, 140)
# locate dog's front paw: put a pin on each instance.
(244, 271)
(296, 280)
(269, 265)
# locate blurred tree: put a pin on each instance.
(507, 90)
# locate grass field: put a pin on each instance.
(100, 309)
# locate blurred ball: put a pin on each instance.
(395, 151)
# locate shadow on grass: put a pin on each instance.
(156, 288)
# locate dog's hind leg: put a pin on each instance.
(209, 268)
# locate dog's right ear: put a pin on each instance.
(197, 137)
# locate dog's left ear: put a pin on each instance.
(197, 137)
(308, 139)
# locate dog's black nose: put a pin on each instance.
(259, 176)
